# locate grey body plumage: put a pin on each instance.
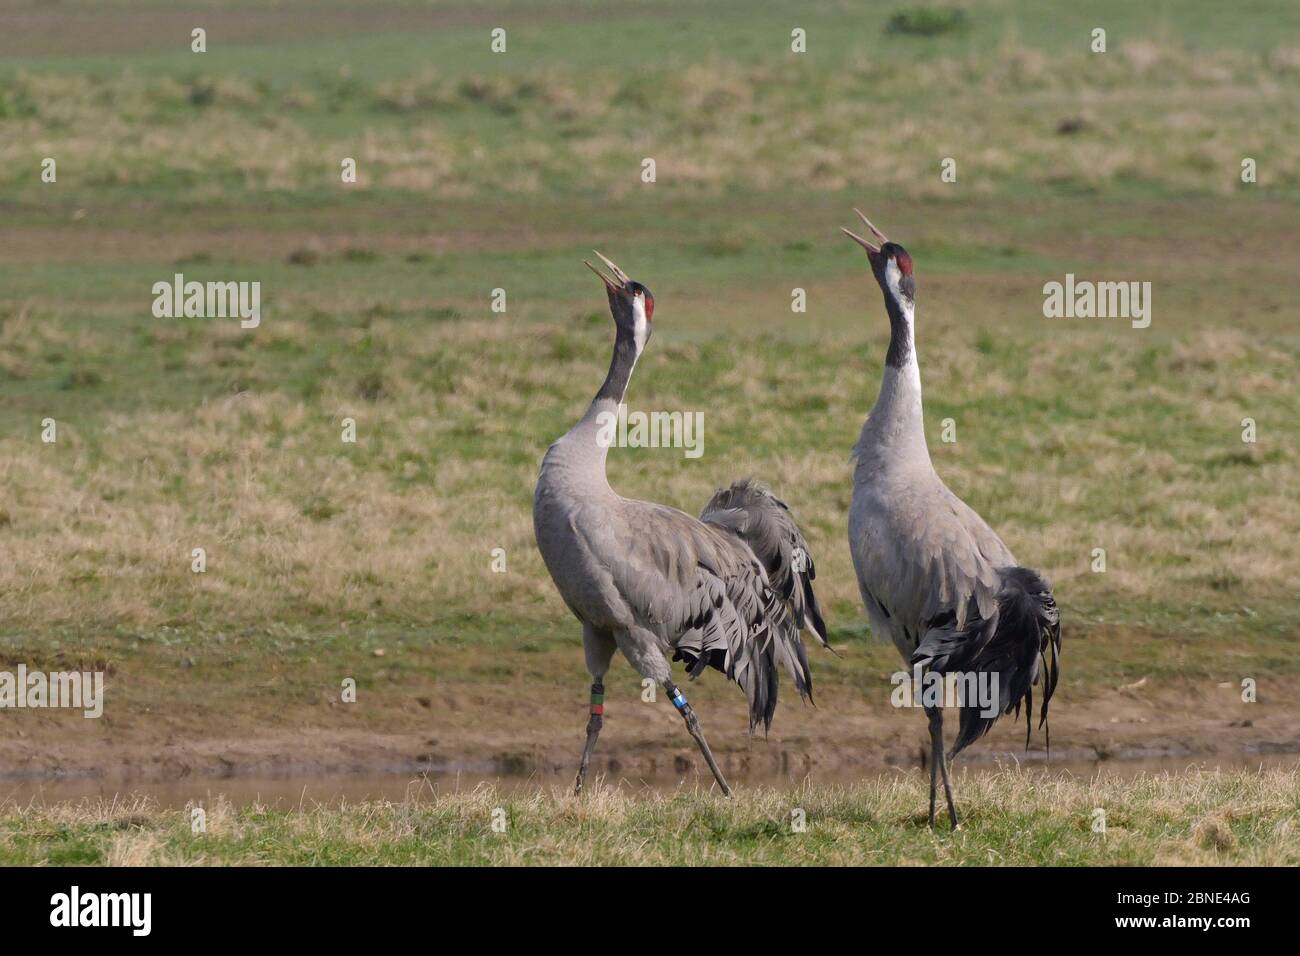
(731, 589)
(935, 579)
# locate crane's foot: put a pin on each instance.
(693, 726)
(594, 724)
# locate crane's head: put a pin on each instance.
(631, 303)
(890, 264)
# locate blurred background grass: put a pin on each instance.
(479, 171)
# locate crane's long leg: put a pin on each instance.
(940, 764)
(936, 757)
(594, 724)
(600, 647)
(947, 789)
(693, 725)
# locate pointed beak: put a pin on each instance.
(620, 278)
(871, 248)
(610, 284)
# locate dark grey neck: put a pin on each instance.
(900, 334)
(620, 368)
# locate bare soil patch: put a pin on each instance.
(485, 730)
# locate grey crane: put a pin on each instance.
(935, 579)
(729, 590)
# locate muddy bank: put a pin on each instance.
(641, 740)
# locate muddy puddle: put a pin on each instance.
(310, 791)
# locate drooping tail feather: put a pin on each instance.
(764, 524)
(1018, 643)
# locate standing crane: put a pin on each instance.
(934, 577)
(729, 590)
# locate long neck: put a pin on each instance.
(580, 454)
(621, 364)
(894, 433)
(902, 345)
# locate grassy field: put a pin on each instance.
(479, 171)
(1013, 818)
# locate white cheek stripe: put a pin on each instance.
(642, 328)
(894, 275)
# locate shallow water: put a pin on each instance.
(309, 791)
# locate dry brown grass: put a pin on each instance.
(1011, 818)
(1146, 463)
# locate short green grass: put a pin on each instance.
(1011, 818)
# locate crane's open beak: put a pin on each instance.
(616, 284)
(872, 250)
